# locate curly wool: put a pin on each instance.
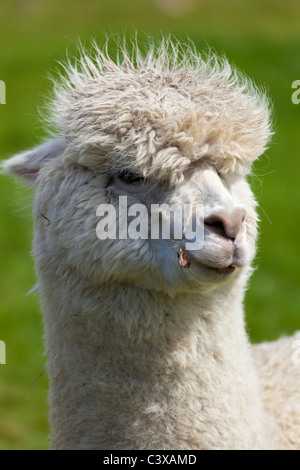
(157, 113)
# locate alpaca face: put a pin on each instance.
(167, 128)
(227, 222)
(68, 200)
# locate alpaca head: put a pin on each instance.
(168, 128)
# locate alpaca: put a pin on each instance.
(145, 339)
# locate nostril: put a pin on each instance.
(215, 225)
(227, 225)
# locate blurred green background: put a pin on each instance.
(262, 38)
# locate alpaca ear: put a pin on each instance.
(28, 164)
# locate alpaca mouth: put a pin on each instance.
(185, 260)
(230, 263)
(219, 270)
(225, 270)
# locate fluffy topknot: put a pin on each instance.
(158, 112)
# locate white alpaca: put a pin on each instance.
(146, 341)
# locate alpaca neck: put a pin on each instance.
(137, 370)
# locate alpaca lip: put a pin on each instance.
(227, 270)
(224, 270)
(221, 270)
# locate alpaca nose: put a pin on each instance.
(228, 225)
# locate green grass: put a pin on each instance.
(262, 39)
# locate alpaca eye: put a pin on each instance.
(128, 177)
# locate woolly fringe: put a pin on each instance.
(159, 112)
